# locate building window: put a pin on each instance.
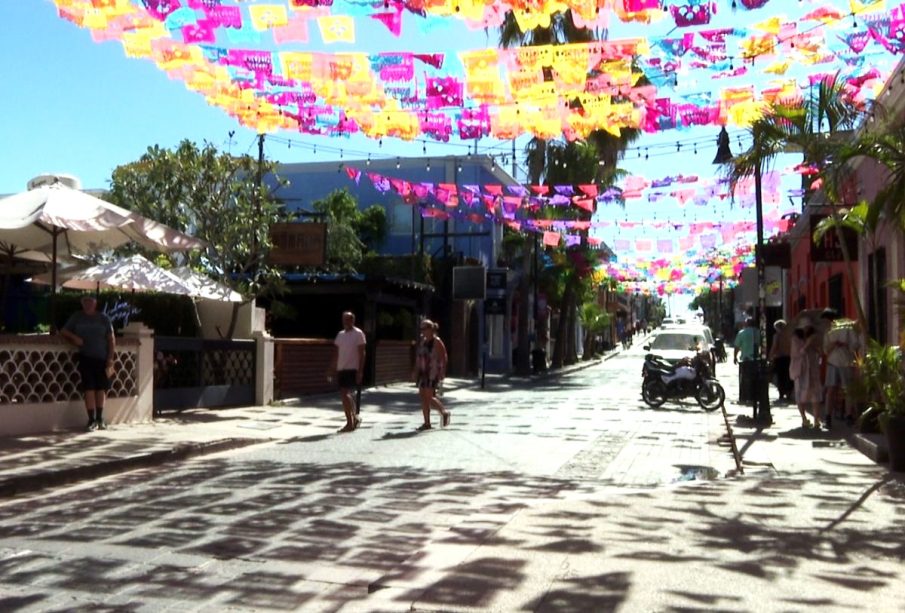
(835, 294)
(877, 297)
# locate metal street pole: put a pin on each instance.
(762, 387)
(719, 309)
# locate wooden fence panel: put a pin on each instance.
(300, 367)
(394, 362)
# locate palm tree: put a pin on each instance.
(548, 162)
(886, 148)
(798, 125)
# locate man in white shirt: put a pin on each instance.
(348, 367)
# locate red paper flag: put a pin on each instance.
(590, 190)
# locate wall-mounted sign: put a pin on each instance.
(497, 280)
(829, 248)
(298, 244)
(777, 254)
(468, 282)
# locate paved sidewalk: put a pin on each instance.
(33, 462)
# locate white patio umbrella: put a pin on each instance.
(43, 218)
(36, 219)
(134, 273)
(204, 287)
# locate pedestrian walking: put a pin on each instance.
(744, 354)
(348, 367)
(430, 370)
(841, 345)
(780, 357)
(804, 369)
(92, 333)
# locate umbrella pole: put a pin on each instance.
(53, 284)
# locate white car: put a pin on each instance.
(677, 343)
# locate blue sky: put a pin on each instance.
(78, 107)
(83, 108)
(74, 106)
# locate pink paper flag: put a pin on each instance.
(551, 239)
(393, 21)
(295, 32)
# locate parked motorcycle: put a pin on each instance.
(690, 378)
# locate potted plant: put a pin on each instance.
(883, 381)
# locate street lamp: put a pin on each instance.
(761, 382)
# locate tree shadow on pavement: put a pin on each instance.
(272, 532)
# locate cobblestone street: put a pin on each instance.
(563, 493)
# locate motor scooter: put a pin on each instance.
(690, 378)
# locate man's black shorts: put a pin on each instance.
(347, 379)
(93, 372)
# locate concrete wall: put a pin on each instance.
(215, 317)
(20, 418)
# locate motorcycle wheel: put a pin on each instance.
(711, 395)
(653, 392)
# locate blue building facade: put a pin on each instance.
(473, 337)
(408, 230)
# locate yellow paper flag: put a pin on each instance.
(337, 29)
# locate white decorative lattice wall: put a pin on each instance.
(50, 375)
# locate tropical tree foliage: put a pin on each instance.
(216, 197)
(596, 321)
(558, 161)
(350, 231)
(887, 149)
(816, 126)
(884, 147)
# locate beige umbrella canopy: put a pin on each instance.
(55, 216)
(203, 286)
(134, 273)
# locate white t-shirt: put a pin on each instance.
(347, 343)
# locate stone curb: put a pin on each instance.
(55, 478)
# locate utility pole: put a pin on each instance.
(259, 195)
(719, 309)
(762, 396)
(514, 165)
